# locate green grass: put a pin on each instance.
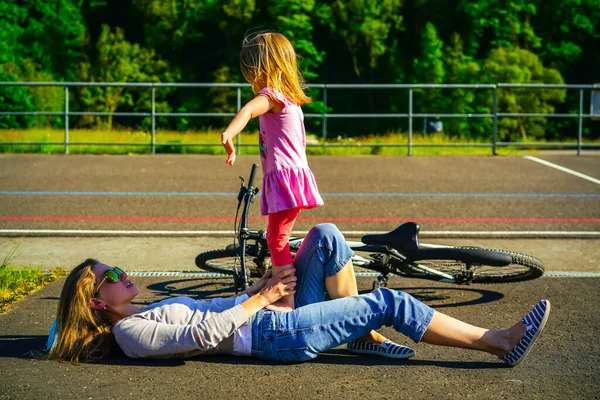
(175, 142)
(16, 283)
(364, 145)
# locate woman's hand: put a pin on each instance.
(271, 288)
(258, 286)
(279, 286)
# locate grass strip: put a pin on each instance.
(208, 142)
(16, 283)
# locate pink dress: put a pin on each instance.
(288, 182)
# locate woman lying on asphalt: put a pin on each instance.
(95, 305)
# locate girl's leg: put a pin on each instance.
(278, 233)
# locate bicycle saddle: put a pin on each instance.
(404, 238)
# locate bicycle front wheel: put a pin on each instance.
(226, 261)
(223, 261)
(476, 265)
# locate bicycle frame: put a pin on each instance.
(246, 197)
(384, 259)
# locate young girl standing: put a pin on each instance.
(268, 63)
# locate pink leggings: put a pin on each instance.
(278, 233)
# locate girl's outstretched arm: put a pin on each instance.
(255, 107)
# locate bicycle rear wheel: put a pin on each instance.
(224, 261)
(476, 265)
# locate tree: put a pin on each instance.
(461, 68)
(48, 33)
(366, 26)
(499, 23)
(15, 99)
(39, 41)
(571, 37)
(117, 60)
(429, 66)
(514, 65)
(12, 17)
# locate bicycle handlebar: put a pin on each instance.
(251, 180)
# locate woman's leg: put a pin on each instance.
(323, 263)
(343, 284)
(444, 330)
(321, 257)
(301, 334)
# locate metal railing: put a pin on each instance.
(410, 115)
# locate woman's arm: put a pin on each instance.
(254, 108)
(224, 303)
(141, 337)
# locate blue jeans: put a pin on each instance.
(317, 325)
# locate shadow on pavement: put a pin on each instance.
(342, 357)
(190, 287)
(434, 296)
(21, 346)
(27, 347)
(437, 297)
(126, 361)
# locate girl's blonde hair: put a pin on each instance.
(82, 333)
(268, 59)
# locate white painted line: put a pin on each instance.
(510, 233)
(567, 170)
(553, 274)
(221, 233)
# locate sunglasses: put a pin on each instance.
(112, 275)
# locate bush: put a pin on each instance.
(14, 99)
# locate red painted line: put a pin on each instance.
(324, 219)
(436, 219)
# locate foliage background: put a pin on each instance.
(338, 41)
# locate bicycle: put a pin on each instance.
(398, 252)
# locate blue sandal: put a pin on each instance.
(534, 322)
(387, 349)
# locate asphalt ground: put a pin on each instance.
(164, 192)
(444, 194)
(563, 363)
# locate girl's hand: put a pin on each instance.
(230, 148)
(255, 107)
(230, 159)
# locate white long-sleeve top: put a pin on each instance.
(183, 327)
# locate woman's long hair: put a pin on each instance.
(268, 59)
(82, 333)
